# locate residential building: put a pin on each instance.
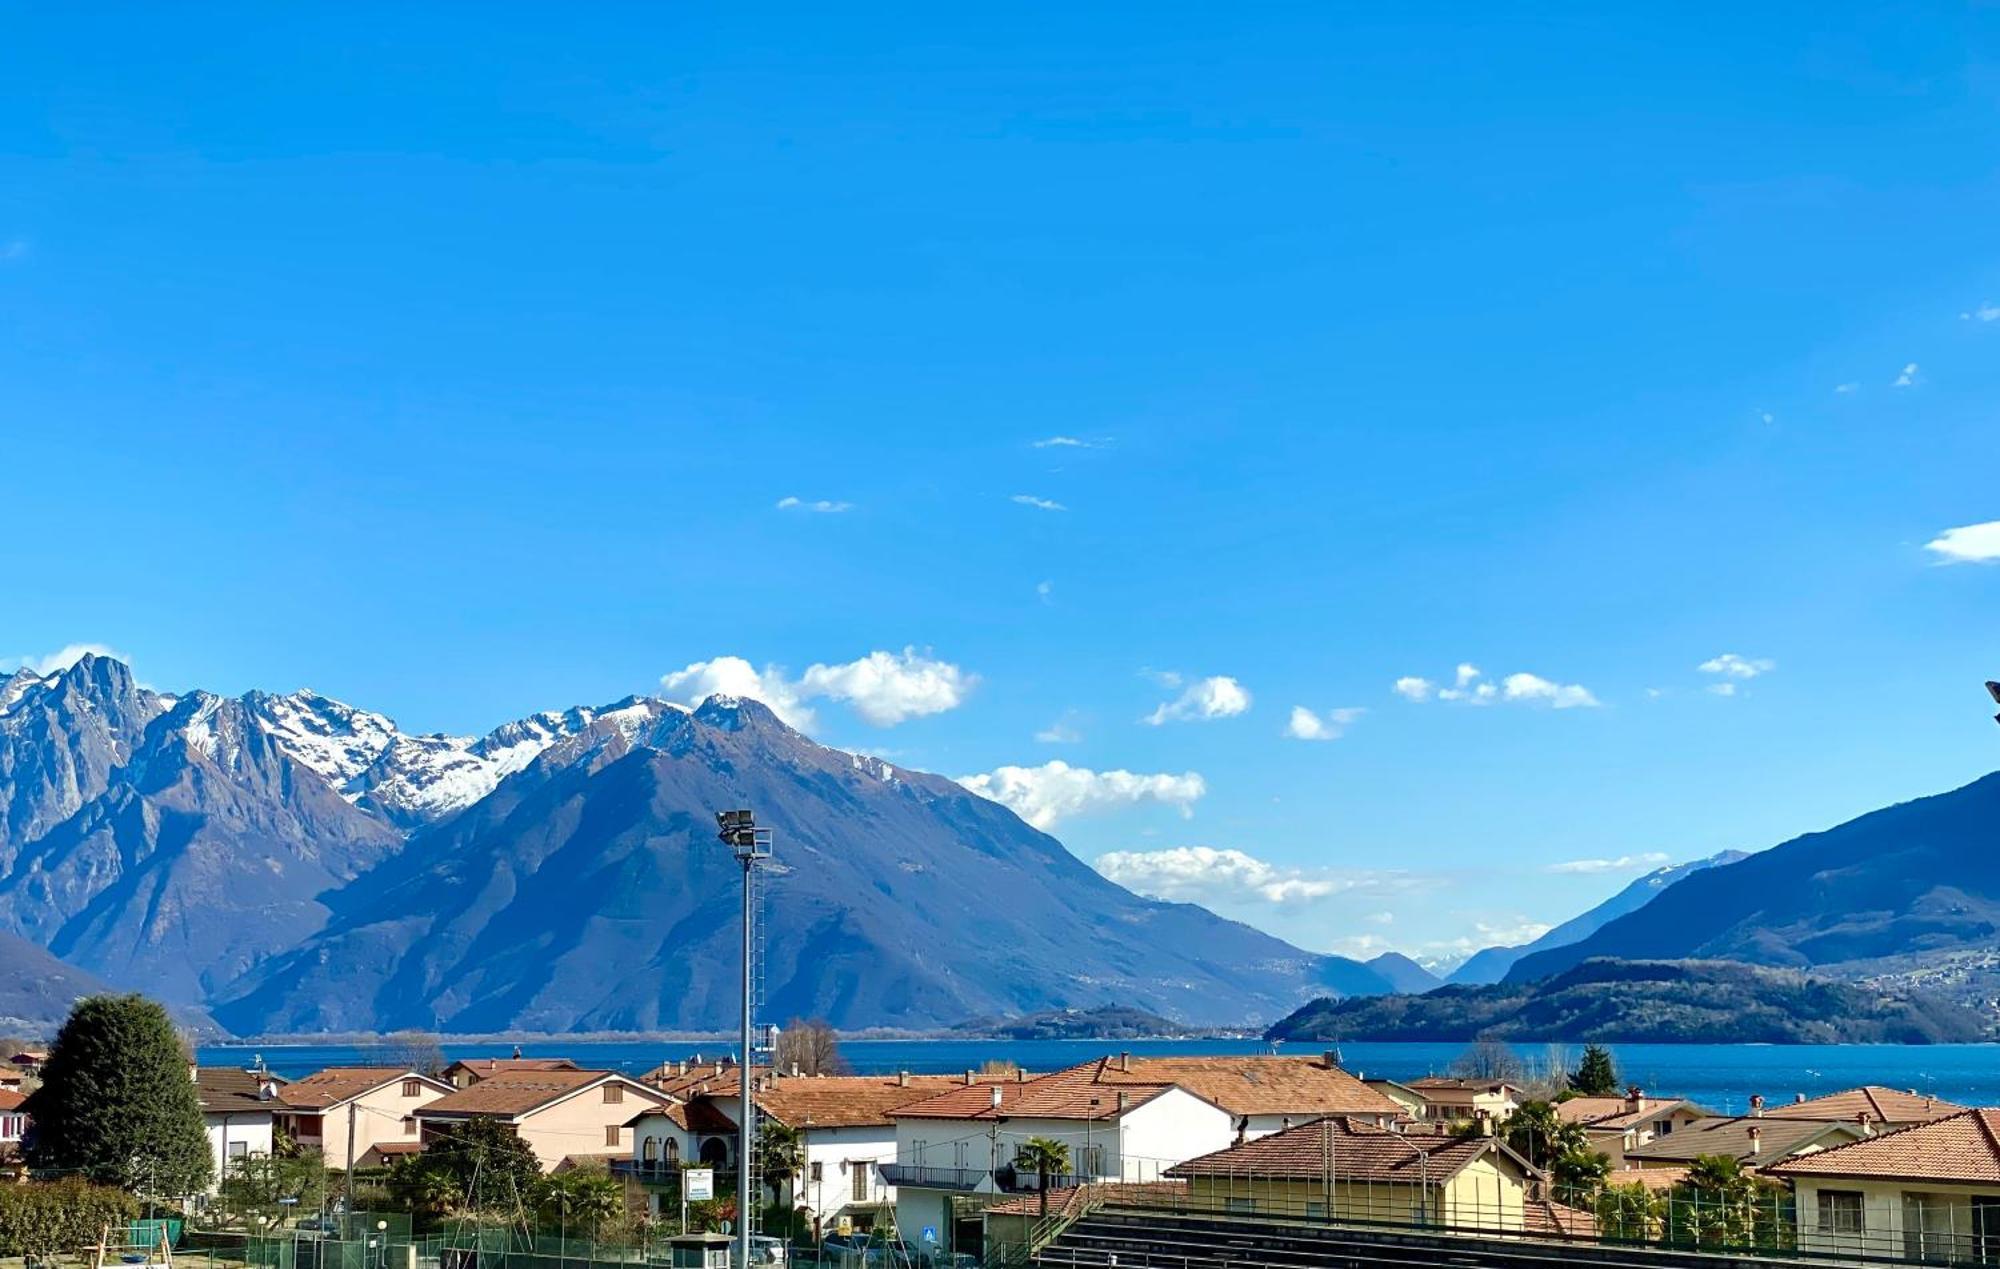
(1265, 1094)
(1615, 1125)
(1883, 1108)
(1928, 1192)
(1337, 1169)
(240, 1110)
(344, 1111)
(1754, 1142)
(1413, 1103)
(956, 1151)
(1488, 1102)
(13, 1122)
(469, 1071)
(561, 1115)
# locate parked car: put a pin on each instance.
(765, 1250)
(896, 1253)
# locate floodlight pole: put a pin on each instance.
(751, 846)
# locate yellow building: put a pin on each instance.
(1336, 1169)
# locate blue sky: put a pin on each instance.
(457, 365)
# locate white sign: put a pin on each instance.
(698, 1184)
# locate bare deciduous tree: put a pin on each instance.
(1487, 1059)
(810, 1047)
(417, 1051)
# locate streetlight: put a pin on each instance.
(752, 845)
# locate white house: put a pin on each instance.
(1264, 1093)
(961, 1145)
(239, 1108)
(1927, 1192)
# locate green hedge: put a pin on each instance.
(46, 1218)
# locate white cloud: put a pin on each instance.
(1987, 311)
(1382, 918)
(1845, 388)
(1039, 504)
(1060, 732)
(1306, 725)
(1967, 544)
(1205, 700)
(1469, 687)
(1056, 791)
(1208, 874)
(1908, 379)
(822, 506)
(1045, 591)
(1650, 859)
(1731, 666)
(1767, 416)
(1412, 688)
(1065, 442)
(66, 656)
(1721, 689)
(885, 688)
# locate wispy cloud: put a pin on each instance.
(1470, 686)
(1067, 442)
(1045, 591)
(1987, 311)
(1055, 791)
(884, 688)
(63, 658)
(1039, 504)
(1623, 863)
(1908, 379)
(1063, 731)
(1730, 665)
(823, 506)
(1845, 388)
(1967, 544)
(1208, 874)
(1205, 700)
(1304, 724)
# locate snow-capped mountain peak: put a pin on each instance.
(331, 737)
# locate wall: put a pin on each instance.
(577, 1125)
(859, 1147)
(1171, 1128)
(1946, 1231)
(244, 1133)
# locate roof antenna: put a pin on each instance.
(1993, 690)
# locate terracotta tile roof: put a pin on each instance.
(1255, 1085)
(1546, 1216)
(1776, 1139)
(1662, 1178)
(382, 1152)
(847, 1101)
(230, 1090)
(703, 1114)
(480, 1068)
(1356, 1152)
(711, 1077)
(1071, 1094)
(11, 1100)
(338, 1084)
(1964, 1147)
(1144, 1193)
(1883, 1105)
(1616, 1112)
(1431, 1084)
(522, 1092)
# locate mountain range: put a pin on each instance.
(1492, 964)
(298, 864)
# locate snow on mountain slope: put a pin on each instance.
(331, 737)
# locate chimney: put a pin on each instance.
(902, 1079)
(718, 1068)
(1635, 1099)
(971, 1077)
(795, 1070)
(1867, 1123)
(1121, 1101)
(1020, 1075)
(1330, 1059)
(1756, 1105)
(996, 1097)
(267, 1090)
(1756, 1141)
(1798, 1099)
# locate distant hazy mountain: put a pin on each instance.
(588, 892)
(36, 989)
(1402, 973)
(1633, 1002)
(1888, 892)
(1492, 964)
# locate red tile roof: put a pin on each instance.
(1071, 1094)
(1352, 1151)
(1256, 1085)
(1882, 1105)
(1964, 1148)
(337, 1085)
(231, 1090)
(11, 1100)
(521, 1092)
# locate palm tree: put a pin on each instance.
(782, 1153)
(1048, 1157)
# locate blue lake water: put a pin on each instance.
(1720, 1076)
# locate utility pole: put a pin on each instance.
(347, 1182)
(752, 846)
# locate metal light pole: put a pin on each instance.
(752, 846)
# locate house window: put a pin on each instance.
(817, 1171)
(1935, 1227)
(1090, 1160)
(613, 1134)
(239, 1149)
(917, 1148)
(614, 1094)
(409, 1125)
(413, 1088)
(961, 1154)
(649, 1150)
(673, 1150)
(1239, 1205)
(1840, 1212)
(859, 1170)
(1315, 1210)
(1986, 1228)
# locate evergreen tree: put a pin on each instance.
(481, 1165)
(1596, 1076)
(117, 1103)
